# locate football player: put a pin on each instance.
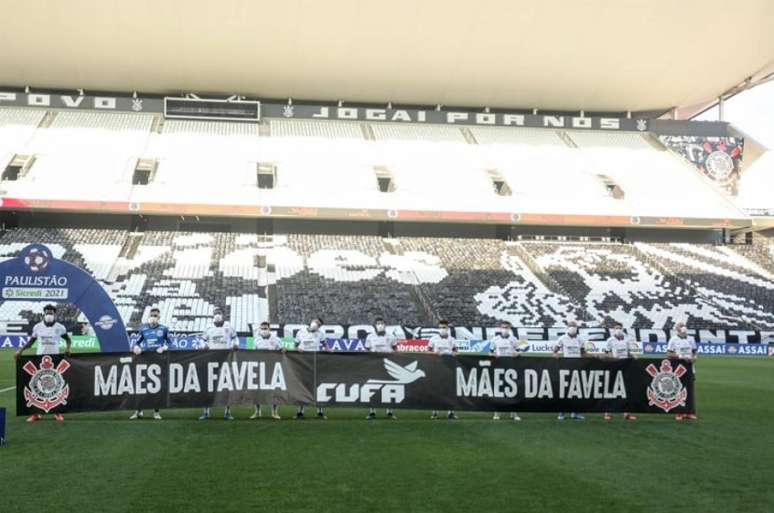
(682, 347)
(47, 333)
(618, 348)
(380, 342)
(311, 339)
(570, 345)
(219, 336)
(265, 340)
(504, 344)
(442, 343)
(155, 337)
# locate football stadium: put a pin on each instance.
(407, 256)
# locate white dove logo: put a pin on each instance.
(403, 375)
(391, 391)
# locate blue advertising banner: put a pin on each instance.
(714, 349)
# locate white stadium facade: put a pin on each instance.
(459, 162)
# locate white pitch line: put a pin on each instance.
(7, 389)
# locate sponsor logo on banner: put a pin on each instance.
(105, 322)
(412, 345)
(37, 260)
(47, 388)
(473, 346)
(666, 391)
(348, 345)
(388, 391)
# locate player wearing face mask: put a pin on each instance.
(219, 336)
(505, 345)
(380, 342)
(47, 333)
(154, 336)
(617, 348)
(570, 345)
(683, 347)
(265, 340)
(443, 344)
(311, 339)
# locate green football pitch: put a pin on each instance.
(104, 463)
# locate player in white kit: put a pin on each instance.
(504, 344)
(47, 333)
(311, 339)
(443, 344)
(219, 336)
(265, 340)
(617, 348)
(570, 345)
(683, 347)
(380, 342)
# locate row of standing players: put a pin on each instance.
(221, 336)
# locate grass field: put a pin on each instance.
(104, 463)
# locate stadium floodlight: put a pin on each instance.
(438, 107)
(27, 89)
(341, 103)
(134, 94)
(486, 109)
(534, 112)
(290, 101)
(80, 92)
(389, 105)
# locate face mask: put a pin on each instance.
(443, 331)
(572, 331)
(48, 318)
(218, 318)
(313, 326)
(153, 321)
(265, 333)
(380, 328)
(505, 332)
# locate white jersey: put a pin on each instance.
(381, 343)
(310, 340)
(618, 348)
(270, 343)
(570, 346)
(442, 345)
(220, 337)
(48, 337)
(682, 347)
(504, 346)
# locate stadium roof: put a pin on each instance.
(597, 55)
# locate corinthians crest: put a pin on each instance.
(47, 388)
(666, 391)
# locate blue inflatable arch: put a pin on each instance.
(35, 275)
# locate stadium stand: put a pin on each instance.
(440, 167)
(349, 279)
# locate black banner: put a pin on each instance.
(184, 379)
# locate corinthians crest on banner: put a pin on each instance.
(666, 391)
(47, 388)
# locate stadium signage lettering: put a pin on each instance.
(467, 118)
(375, 113)
(36, 281)
(185, 379)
